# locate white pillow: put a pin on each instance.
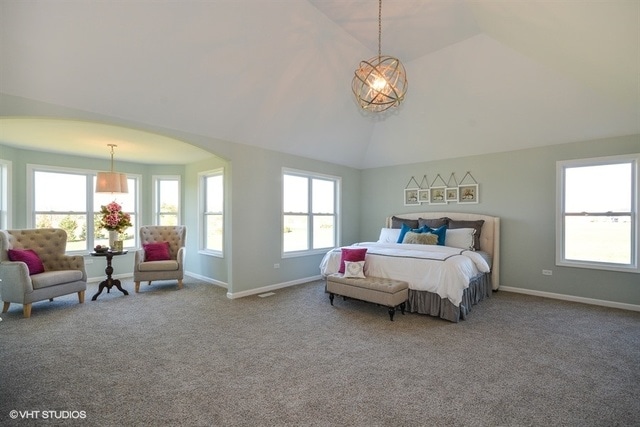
(460, 238)
(389, 235)
(354, 269)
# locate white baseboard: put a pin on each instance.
(592, 301)
(207, 279)
(269, 288)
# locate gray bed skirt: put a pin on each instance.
(424, 302)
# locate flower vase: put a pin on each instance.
(113, 237)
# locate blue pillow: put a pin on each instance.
(441, 232)
(405, 229)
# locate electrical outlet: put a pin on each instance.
(547, 272)
(276, 265)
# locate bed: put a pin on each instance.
(445, 279)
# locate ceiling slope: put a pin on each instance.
(484, 76)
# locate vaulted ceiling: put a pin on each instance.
(484, 75)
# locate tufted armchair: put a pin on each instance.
(154, 263)
(62, 274)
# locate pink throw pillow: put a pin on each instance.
(353, 255)
(156, 251)
(29, 257)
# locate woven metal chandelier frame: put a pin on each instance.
(379, 83)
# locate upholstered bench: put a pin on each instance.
(388, 292)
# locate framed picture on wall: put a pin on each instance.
(423, 195)
(468, 193)
(452, 194)
(438, 196)
(411, 196)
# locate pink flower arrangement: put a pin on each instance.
(113, 219)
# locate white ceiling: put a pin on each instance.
(484, 75)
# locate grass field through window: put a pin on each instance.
(598, 239)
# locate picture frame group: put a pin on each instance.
(442, 195)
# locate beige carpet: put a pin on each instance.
(193, 357)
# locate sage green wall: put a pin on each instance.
(252, 202)
(256, 215)
(519, 187)
(253, 210)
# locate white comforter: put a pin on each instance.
(443, 270)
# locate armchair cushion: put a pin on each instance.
(54, 278)
(29, 257)
(156, 251)
(168, 265)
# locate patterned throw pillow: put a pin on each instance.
(351, 254)
(421, 238)
(354, 269)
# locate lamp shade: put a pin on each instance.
(111, 182)
(124, 188)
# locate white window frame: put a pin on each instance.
(337, 216)
(202, 204)
(157, 211)
(90, 176)
(561, 167)
(5, 193)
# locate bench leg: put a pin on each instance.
(392, 311)
(402, 306)
(331, 298)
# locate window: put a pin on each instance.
(597, 213)
(309, 212)
(65, 198)
(212, 218)
(166, 202)
(5, 193)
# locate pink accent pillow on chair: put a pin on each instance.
(156, 251)
(29, 257)
(353, 255)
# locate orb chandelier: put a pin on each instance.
(380, 82)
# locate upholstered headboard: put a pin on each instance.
(489, 237)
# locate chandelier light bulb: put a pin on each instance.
(379, 84)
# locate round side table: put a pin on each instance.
(109, 282)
